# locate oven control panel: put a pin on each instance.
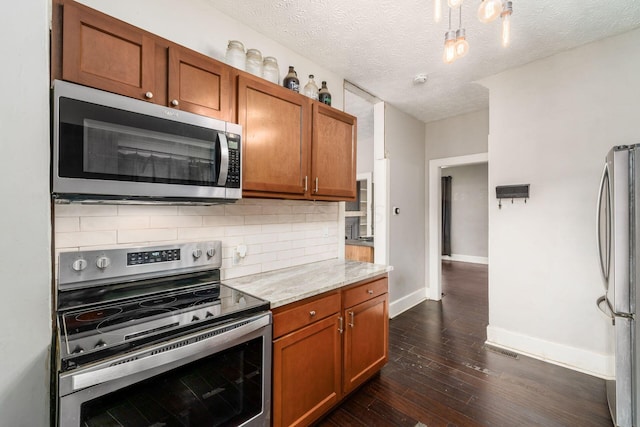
(148, 257)
(101, 267)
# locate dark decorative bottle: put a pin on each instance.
(291, 80)
(323, 94)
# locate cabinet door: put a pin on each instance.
(366, 340)
(333, 154)
(306, 373)
(105, 53)
(199, 84)
(275, 125)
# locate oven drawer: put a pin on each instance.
(302, 315)
(365, 292)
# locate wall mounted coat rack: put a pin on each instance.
(520, 191)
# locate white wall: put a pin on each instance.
(469, 212)
(404, 144)
(552, 122)
(196, 24)
(25, 252)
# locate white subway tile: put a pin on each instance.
(278, 209)
(85, 210)
(201, 233)
(147, 210)
(175, 221)
(276, 265)
(291, 218)
(262, 238)
(312, 250)
(67, 224)
(255, 249)
(96, 223)
(321, 217)
(84, 238)
(234, 210)
(240, 270)
(276, 228)
(148, 235)
(290, 254)
(276, 247)
(220, 221)
(242, 230)
(201, 210)
(252, 259)
(293, 235)
(261, 219)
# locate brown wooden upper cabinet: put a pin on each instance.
(333, 154)
(294, 147)
(94, 49)
(275, 145)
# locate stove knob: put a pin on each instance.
(79, 264)
(195, 318)
(197, 253)
(100, 344)
(77, 350)
(103, 262)
(211, 252)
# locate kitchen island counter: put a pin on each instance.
(288, 285)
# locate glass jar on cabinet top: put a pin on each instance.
(311, 89)
(270, 69)
(235, 55)
(254, 62)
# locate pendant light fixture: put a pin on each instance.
(489, 10)
(449, 54)
(462, 45)
(507, 10)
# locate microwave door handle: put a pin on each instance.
(604, 269)
(224, 159)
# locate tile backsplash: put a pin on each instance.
(277, 233)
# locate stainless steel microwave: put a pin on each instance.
(108, 147)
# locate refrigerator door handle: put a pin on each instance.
(609, 311)
(606, 259)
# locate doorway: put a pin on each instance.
(434, 266)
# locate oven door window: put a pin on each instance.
(98, 142)
(224, 389)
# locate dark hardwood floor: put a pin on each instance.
(440, 374)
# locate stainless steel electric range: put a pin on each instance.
(148, 336)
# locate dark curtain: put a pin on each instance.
(446, 215)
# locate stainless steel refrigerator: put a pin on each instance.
(618, 219)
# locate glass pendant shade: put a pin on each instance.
(489, 10)
(461, 45)
(449, 54)
(437, 10)
(454, 3)
(506, 23)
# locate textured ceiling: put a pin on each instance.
(381, 45)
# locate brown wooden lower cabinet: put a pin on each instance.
(326, 346)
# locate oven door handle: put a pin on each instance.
(165, 354)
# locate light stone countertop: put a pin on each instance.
(281, 287)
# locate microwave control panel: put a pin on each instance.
(233, 175)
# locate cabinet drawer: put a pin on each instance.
(365, 292)
(302, 315)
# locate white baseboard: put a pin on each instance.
(588, 362)
(406, 302)
(466, 258)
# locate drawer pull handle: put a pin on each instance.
(351, 315)
(312, 313)
(341, 327)
(370, 291)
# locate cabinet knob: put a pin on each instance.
(175, 103)
(370, 291)
(312, 313)
(148, 95)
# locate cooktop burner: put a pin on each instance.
(119, 305)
